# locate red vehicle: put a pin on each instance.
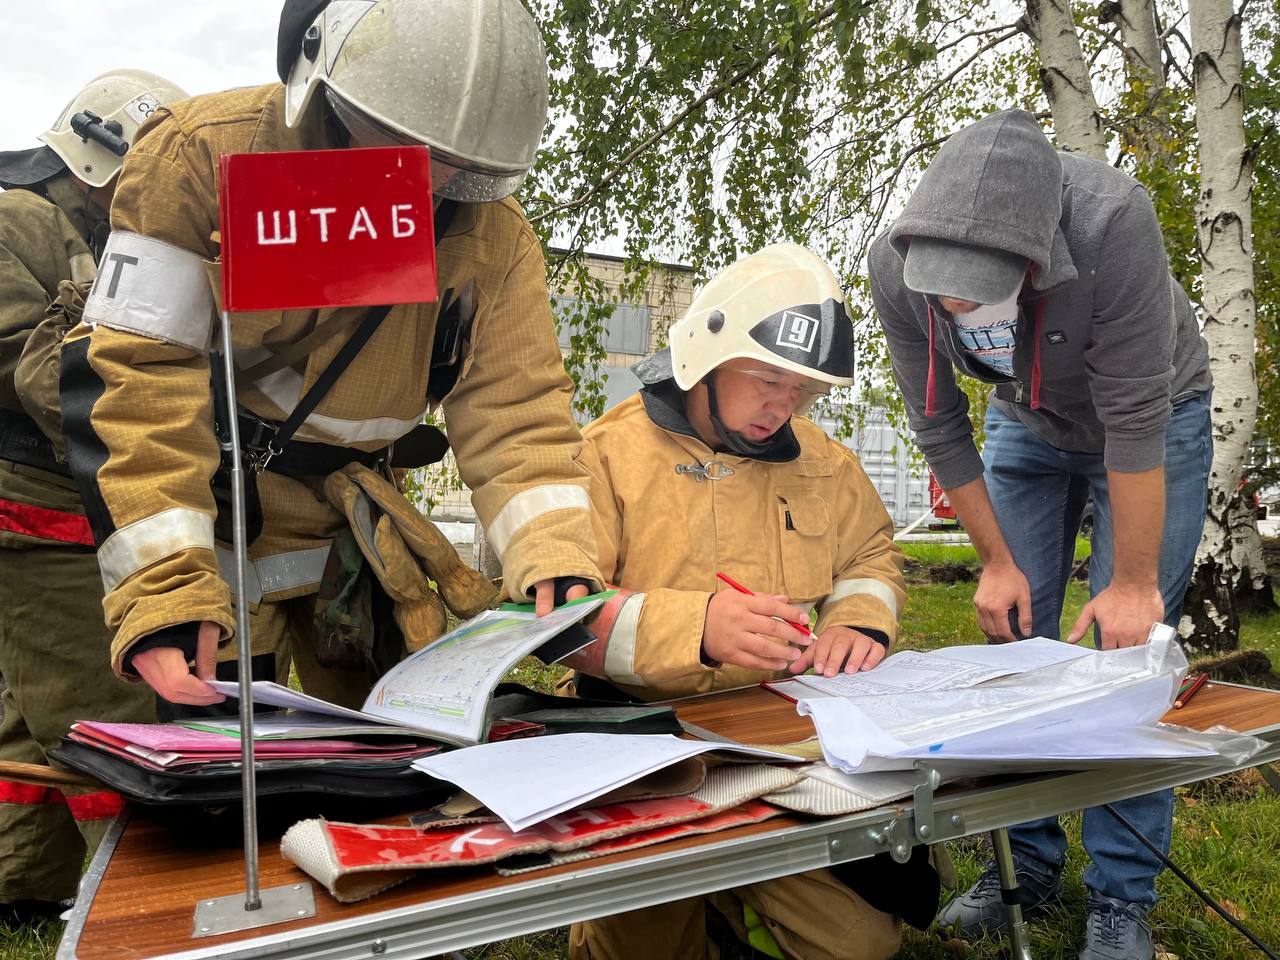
(944, 514)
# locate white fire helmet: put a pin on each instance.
(468, 78)
(781, 305)
(95, 129)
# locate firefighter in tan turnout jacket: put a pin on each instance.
(53, 221)
(707, 470)
(136, 379)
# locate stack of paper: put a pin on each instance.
(1083, 710)
(527, 781)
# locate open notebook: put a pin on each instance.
(444, 689)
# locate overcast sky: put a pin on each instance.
(53, 47)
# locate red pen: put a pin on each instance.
(791, 623)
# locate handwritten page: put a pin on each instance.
(951, 668)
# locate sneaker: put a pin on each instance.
(980, 910)
(1116, 930)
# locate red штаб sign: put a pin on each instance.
(327, 228)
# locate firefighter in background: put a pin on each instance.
(53, 223)
(136, 374)
(707, 470)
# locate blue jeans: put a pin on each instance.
(1039, 493)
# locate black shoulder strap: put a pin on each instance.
(368, 326)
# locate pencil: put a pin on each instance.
(1184, 696)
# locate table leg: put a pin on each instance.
(1016, 927)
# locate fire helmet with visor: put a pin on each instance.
(466, 78)
(781, 305)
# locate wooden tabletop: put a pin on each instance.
(144, 903)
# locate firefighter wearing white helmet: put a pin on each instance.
(468, 79)
(395, 73)
(711, 468)
(53, 224)
(94, 131)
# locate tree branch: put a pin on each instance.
(1011, 31)
(713, 92)
(979, 33)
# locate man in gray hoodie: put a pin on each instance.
(1044, 273)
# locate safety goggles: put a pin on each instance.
(772, 386)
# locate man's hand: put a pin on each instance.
(544, 596)
(1002, 588)
(1124, 613)
(742, 630)
(840, 648)
(165, 670)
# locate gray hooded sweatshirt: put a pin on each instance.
(1106, 338)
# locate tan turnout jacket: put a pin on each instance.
(137, 397)
(813, 529)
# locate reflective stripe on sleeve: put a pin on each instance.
(531, 504)
(865, 586)
(620, 657)
(150, 539)
(154, 289)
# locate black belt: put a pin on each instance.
(22, 442)
(422, 445)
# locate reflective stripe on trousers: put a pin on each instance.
(102, 805)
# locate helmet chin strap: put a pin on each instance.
(732, 440)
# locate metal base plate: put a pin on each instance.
(228, 915)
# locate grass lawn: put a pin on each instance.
(1226, 835)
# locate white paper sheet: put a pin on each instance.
(526, 781)
(268, 692)
(1084, 710)
(951, 668)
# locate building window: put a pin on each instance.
(626, 331)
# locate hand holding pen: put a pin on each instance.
(754, 631)
(791, 623)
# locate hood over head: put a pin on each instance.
(987, 207)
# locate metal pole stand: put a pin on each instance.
(1016, 927)
(256, 908)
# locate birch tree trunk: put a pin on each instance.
(1064, 74)
(1225, 239)
(1254, 593)
(1147, 127)
(1140, 36)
